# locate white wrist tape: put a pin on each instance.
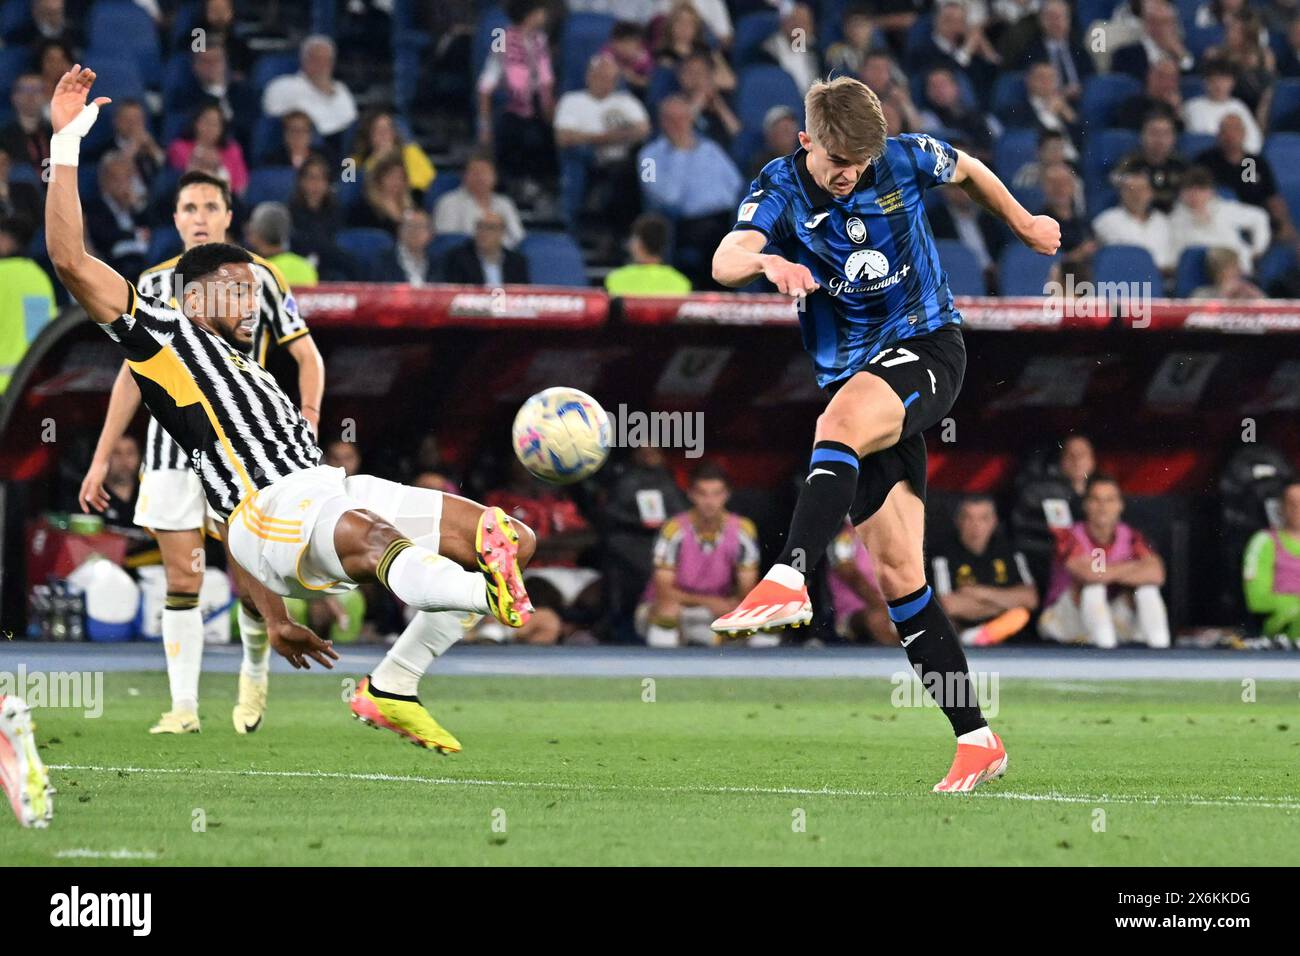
(65, 145)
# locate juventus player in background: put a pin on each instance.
(293, 526)
(844, 214)
(171, 503)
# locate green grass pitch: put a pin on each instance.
(584, 771)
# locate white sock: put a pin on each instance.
(252, 633)
(182, 634)
(980, 737)
(785, 576)
(426, 580)
(1152, 619)
(657, 635)
(1097, 622)
(428, 635)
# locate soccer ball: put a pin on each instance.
(561, 435)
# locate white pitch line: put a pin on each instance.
(83, 853)
(1190, 800)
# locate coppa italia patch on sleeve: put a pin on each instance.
(747, 211)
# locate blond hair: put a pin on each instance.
(845, 117)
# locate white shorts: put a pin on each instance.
(284, 533)
(1062, 620)
(171, 499)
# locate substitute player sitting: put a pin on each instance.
(851, 241)
(294, 526)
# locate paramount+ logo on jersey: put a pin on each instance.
(866, 270)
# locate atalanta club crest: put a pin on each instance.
(856, 229)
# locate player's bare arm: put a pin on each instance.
(740, 259)
(102, 292)
(123, 402)
(1040, 233)
(1140, 571)
(311, 378)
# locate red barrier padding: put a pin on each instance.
(401, 306)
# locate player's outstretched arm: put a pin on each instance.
(1040, 233)
(123, 402)
(311, 378)
(739, 260)
(102, 292)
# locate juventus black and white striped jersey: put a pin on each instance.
(278, 322)
(238, 429)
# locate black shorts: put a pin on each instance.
(926, 373)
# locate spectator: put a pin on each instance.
(597, 130)
(132, 138)
(27, 136)
(1228, 162)
(1134, 223)
(983, 583)
(411, 260)
(713, 13)
(1245, 49)
(957, 45)
(522, 65)
(345, 455)
(268, 235)
(1270, 570)
(1049, 498)
(1051, 150)
(28, 300)
(1203, 114)
(314, 90)
(647, 274)
(627, 48)
(861, 38)
(1161, 38)
(208, 146)
(1078, 245)
(1104, 570)
(48, 21)
(317, 217)
(780, 138)
(713, 116)
(705, 561)
(1226, 281)
(1047, 108)
(888, 82)
(115, 220)
(861, 612)
(957, 216)
(1289, 63)
(459, 210)
(695, 184)
(18, 200)
(681, 35)
(1054, 46)
(485, 260)
(793, 46)
(210, 79)
(53, 59)
(1162, 95)
(217, 21)
(122, 485)
(296, 139)
(386, 196)
(1156, 157)
(946, 115)
(1203, 218)
(378, 136)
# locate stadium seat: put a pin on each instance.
(1191, 145)
(1285, 107)
(1008, 90)
(24, 172)
(176, 81)
(1282, 150)
(367, 246)
(1022, 271)
(118, 74)
(1102, 95)
(444, 183)
(1089, 11)
(1200, 39)
(125, 29)
(182, 24)
(1190, 86)
(554, 259)
(444, 242)
(582, 36)
(759, 88)
(14, 62)
(663, 81)
(1127, 264)
(1031, 197)
(271, 65)
(269, 184)
(1274, 264)
(164, 243)
(267, 137)
(750, 32)
(1015, 147)
(1191, 272)
(1103, 151)
(14, 15)
(965, 277)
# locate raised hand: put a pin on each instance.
(70, 96)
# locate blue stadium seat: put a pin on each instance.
(270, 184)
(663, 81)
(1102, 95)
(443, 243)
(1089, 10)
(23, 172)
(1286, 104)
(965, 277)
(349, 193)
(554, 259)
(1274, 264)
(1282, 150)
(125, 29)
(1008, 90)
(582, 37)
(1191, 86)
(1200, 39)
(1191, 145)
(183, 23)
(267, 137)
(1015, 147)
(759, 88)
(492, 19)
(176, 78)
(1191, 272)
(367, 246)
(1022, 271)
(1127, 264)
(14, 62)
(750, 32)
(442, 184)
(14, 15)
(1031, 197)
(175, 124)
(163, 244)
(1103, 151)
(118, 74)
(271, 65)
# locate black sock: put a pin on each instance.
(824, 500)
(383, 693)
(936, 655)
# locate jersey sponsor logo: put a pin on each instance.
(941, 158)
(815, 221)
(857, 229)
(747, 211)
(871, 265)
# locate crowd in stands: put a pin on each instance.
(1157, 132)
